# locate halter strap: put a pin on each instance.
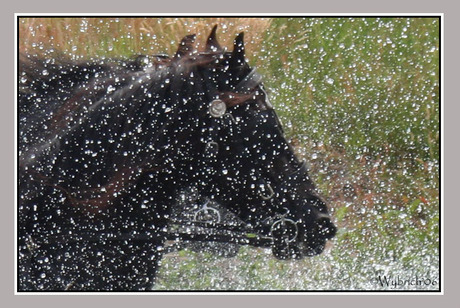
(251, 81)
(276, 196)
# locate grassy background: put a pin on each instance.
(359, 98)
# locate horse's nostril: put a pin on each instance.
(326, 227)
(313, 249)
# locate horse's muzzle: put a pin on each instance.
(309, 241)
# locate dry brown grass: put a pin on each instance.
(89, 37)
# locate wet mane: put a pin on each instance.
(107, 146)
(145, 93)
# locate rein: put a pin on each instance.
(177, 231)
(279, 224)
(184, 231)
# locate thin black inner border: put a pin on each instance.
(441, 97)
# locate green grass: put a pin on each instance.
(364, 86)
(360, 100)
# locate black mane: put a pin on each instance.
(105, 146)
(94, 103)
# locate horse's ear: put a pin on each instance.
(238, 58)
(211, 43)
(186, 46)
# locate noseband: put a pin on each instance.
(281, 226)
(268, 193)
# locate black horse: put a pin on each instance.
(105, 146)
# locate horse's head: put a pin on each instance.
(122, 134)
(241, 157)
(105, 146)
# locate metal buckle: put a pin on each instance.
(270, 192)
(212, 148)
(207, 211)
(232, 119)
(282, 222)
(217, 108)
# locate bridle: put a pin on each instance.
(281, 226)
